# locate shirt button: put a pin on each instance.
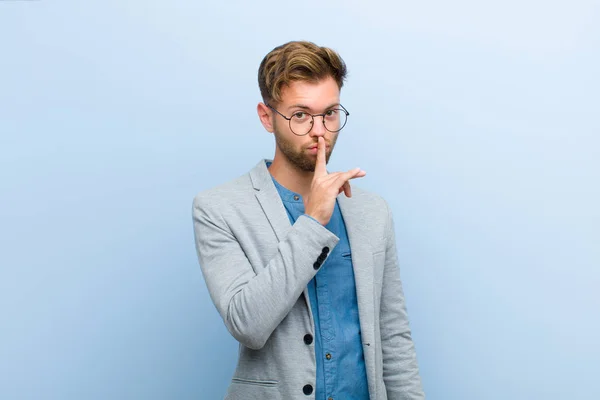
(328, 356)
(307, 389)
(308, 338)
(296, 197)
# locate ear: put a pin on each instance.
(266, 116)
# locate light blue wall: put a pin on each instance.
(478, 122)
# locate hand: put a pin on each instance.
(325, 187)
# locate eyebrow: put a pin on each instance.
(305, 107)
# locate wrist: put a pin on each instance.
(313, 218)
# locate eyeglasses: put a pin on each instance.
(302, 122)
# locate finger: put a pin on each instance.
(333, 175)
(320, 166)
(337, 179)
(330, 177)
(347, 189)
(345, 176)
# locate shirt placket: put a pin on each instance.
(328, 334)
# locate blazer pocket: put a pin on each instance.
(256, 382)
(252, 389)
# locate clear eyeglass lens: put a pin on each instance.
(301, 123)
(335, 120)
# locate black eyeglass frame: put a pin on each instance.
(313, 119)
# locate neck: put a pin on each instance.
(291, 177)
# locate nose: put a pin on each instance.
(318, 128)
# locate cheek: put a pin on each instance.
(282, 129)
(286, 139)
(334, 138)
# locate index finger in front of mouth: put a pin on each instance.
(320, 166)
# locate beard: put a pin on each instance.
(299, 158)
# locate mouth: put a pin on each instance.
(315, 147)
(314, 150)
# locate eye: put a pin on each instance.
(299, 115)
(331, 113)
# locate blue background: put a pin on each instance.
(477, 121)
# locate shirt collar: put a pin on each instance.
(286, 194)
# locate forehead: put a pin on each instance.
(314, 95)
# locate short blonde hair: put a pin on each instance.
(297, 61)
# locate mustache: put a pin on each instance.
(316, 144)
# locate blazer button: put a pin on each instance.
(308, 338)
(307, 389)
(321, 258)
(325, 250)
(317, 265)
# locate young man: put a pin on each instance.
(304, 276)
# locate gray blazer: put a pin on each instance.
(257, 266)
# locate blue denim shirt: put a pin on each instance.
(341, 373)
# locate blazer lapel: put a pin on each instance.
(362, 263)
(271, 204)
(269, 199)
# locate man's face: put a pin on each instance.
(312, 98)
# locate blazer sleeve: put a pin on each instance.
(400, 368)
(252, 304)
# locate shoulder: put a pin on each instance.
(228, 193)
(369, 201)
